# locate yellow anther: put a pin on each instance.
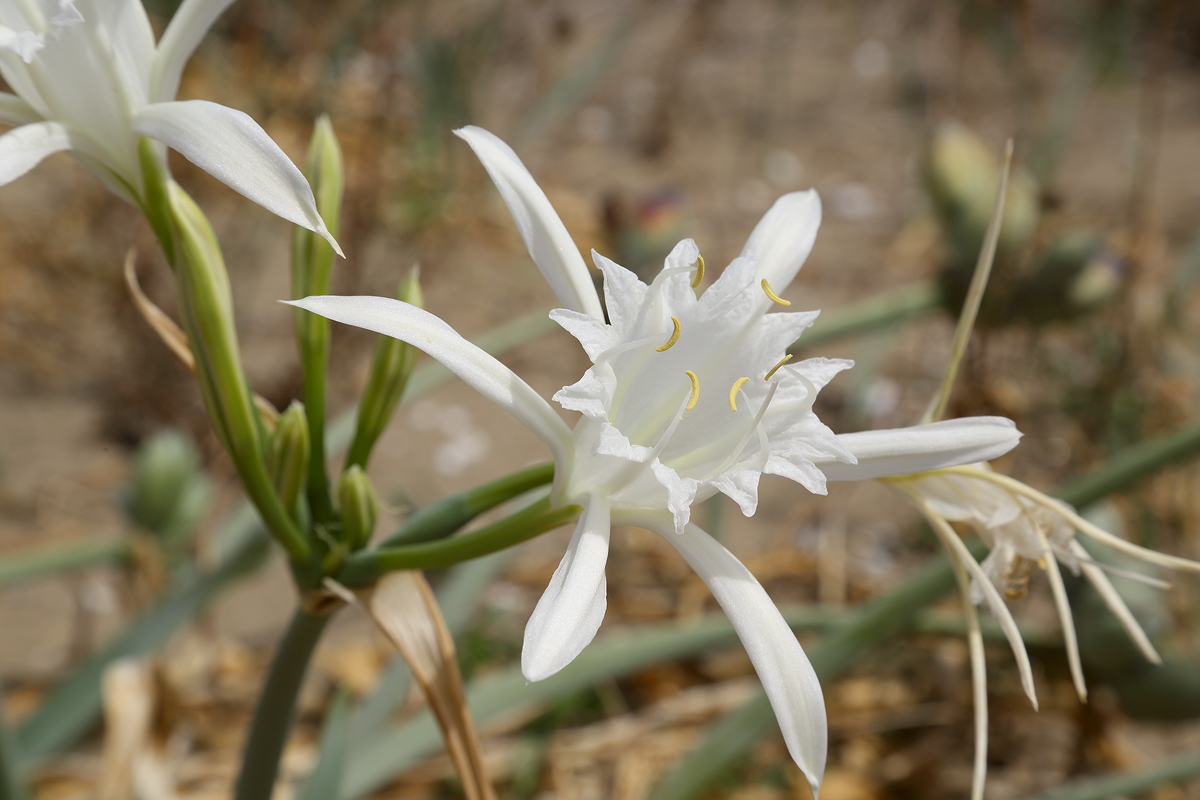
(699, 271)
(695, 390)
(733, 392)
(775, 368)
(674, 336)
(774, 297)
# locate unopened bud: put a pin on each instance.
(287, 459)
(358, 505)
(391, 367)
(206, 310)
(168, 492)
(963, 175)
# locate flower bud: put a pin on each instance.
(168, 492)
(287, 459)
(359, 507)
(963, 175)
(312, 262)
(390, 369)
(206, 310)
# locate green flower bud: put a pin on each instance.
(963, 175)
(287, 458)
(359, 507)
(206, 310)
(164, 466)
(390, 369)
(312, 263)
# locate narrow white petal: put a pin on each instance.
(191, 21)
(592, 333)
(995, 602)
(478, 369)
(786, 674)
(231, 147)
(978, 676)
(904, 451)
(571, 609)
(784, 237)
(1070, 640)
(1108, 593)
(549, 244)
(15, 111)
(23, 148)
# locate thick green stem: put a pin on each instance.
(276, 706)
(366, 567)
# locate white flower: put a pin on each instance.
(1022, 528)
(687, 396)
(89, 79)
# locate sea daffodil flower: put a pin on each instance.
(90, 79)
(688, 395)
(1022, 528)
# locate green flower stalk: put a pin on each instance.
(312, 263)
(288, 457)
(359, 507)
(206, 309)
(390, 369)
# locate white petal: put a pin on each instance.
(478, 369)
(624, 294)
(16, 111)
(23, 148)
(1070, 640)
(1008, 625)
(784, 237)
(904, 451)
(1108, 593)
(592, 333)
(191, 21)
(544, 234)
(231, 147)
(786, 674)
(132, 40)
(571, 609)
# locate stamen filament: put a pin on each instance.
(674, 336)
(775, 368)
(733, 392)
(695, 389)
(766, 287)
(699, 271)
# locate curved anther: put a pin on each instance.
(766, 287)
(695, 389)
(775, 368)
(674, 336)
(733, 392)
(699, 271)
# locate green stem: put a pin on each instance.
(447, 515)
(882, 311)
(55, 558)
(276, 706)
(366, 567)
(12, 783)
(1136, 783)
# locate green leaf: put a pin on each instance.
(1135, 783)
(323, 783)
(74, 704)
